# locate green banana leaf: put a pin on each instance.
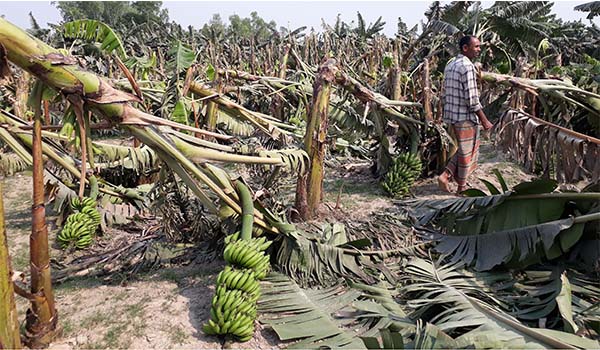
(93, 30)
(466, 300)
(306, 315)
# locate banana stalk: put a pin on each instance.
(212, 110)
(427, 91)
(42, 317)
(211, 115)
(258, 121)
(247, 210)
(9, 323)
(395, 73)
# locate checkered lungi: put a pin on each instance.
(464, 161)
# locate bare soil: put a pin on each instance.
(166, 308)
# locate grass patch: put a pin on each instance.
(121, 296)
(67, 327)
(176, 334)
(139, 326)
(97, 319)
(170, 275)
(20, 259)
(112, 337)
(137, 309)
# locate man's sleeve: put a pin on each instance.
(472, 92)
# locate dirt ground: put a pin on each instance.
(166, 308)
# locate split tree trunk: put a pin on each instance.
(21, 96)
(427, 91)
(9, 323)
(277, 107)
(396, 75)
(315, 141)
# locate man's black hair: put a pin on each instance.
(465, 40)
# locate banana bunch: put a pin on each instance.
(413, 162)
(80, 227)
(233, 308)
(402, 174)
(249, 254)
(78, 204)
(243, 280)
(233, 311)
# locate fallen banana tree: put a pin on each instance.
(62, 73)
(549, 149)
(544, 89)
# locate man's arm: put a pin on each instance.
(473, 97)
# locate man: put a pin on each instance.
(463, 113)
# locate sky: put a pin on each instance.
(291, 14)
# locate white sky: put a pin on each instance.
(292, 14)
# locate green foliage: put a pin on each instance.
(97, 31)
(214, 31)
(181, 57)
(468, 301)
(142, 66)
(254, 27)
(506, 229)
(369, 32)
(592, 7)
(114, 13)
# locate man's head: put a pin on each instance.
(469, 46)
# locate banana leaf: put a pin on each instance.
(93, 30)
(11, 163)
(296, 313)
(465, 300)
(513, 247)
(557, 294)
(515, 228)
(313, 262)
(295, 160)
(389, 340)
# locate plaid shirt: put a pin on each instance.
(461, 97)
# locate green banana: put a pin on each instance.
(208, 329)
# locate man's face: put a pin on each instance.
(473, 49)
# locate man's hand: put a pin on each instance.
(486, 124)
